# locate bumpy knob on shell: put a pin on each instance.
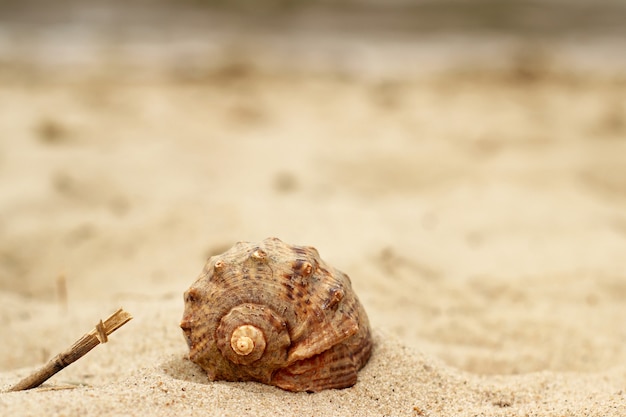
(277, 314)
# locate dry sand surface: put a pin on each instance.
(480, 215)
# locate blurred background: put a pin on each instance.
(365, 37)
(463, 161)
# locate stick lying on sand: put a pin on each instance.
(83, 345)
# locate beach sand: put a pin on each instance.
(480, 215)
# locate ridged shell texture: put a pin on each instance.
(277, 314)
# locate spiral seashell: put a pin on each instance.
(277, 314)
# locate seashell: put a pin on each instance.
(277, 314)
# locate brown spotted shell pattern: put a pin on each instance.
(277, 314)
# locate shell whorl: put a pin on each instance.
(252, 332)
(245, 339)
(277, 314)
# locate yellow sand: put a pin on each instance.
(481, 217)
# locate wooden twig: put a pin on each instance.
(83, 345)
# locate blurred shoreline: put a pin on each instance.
(185, 41)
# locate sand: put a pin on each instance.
(480, 214)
